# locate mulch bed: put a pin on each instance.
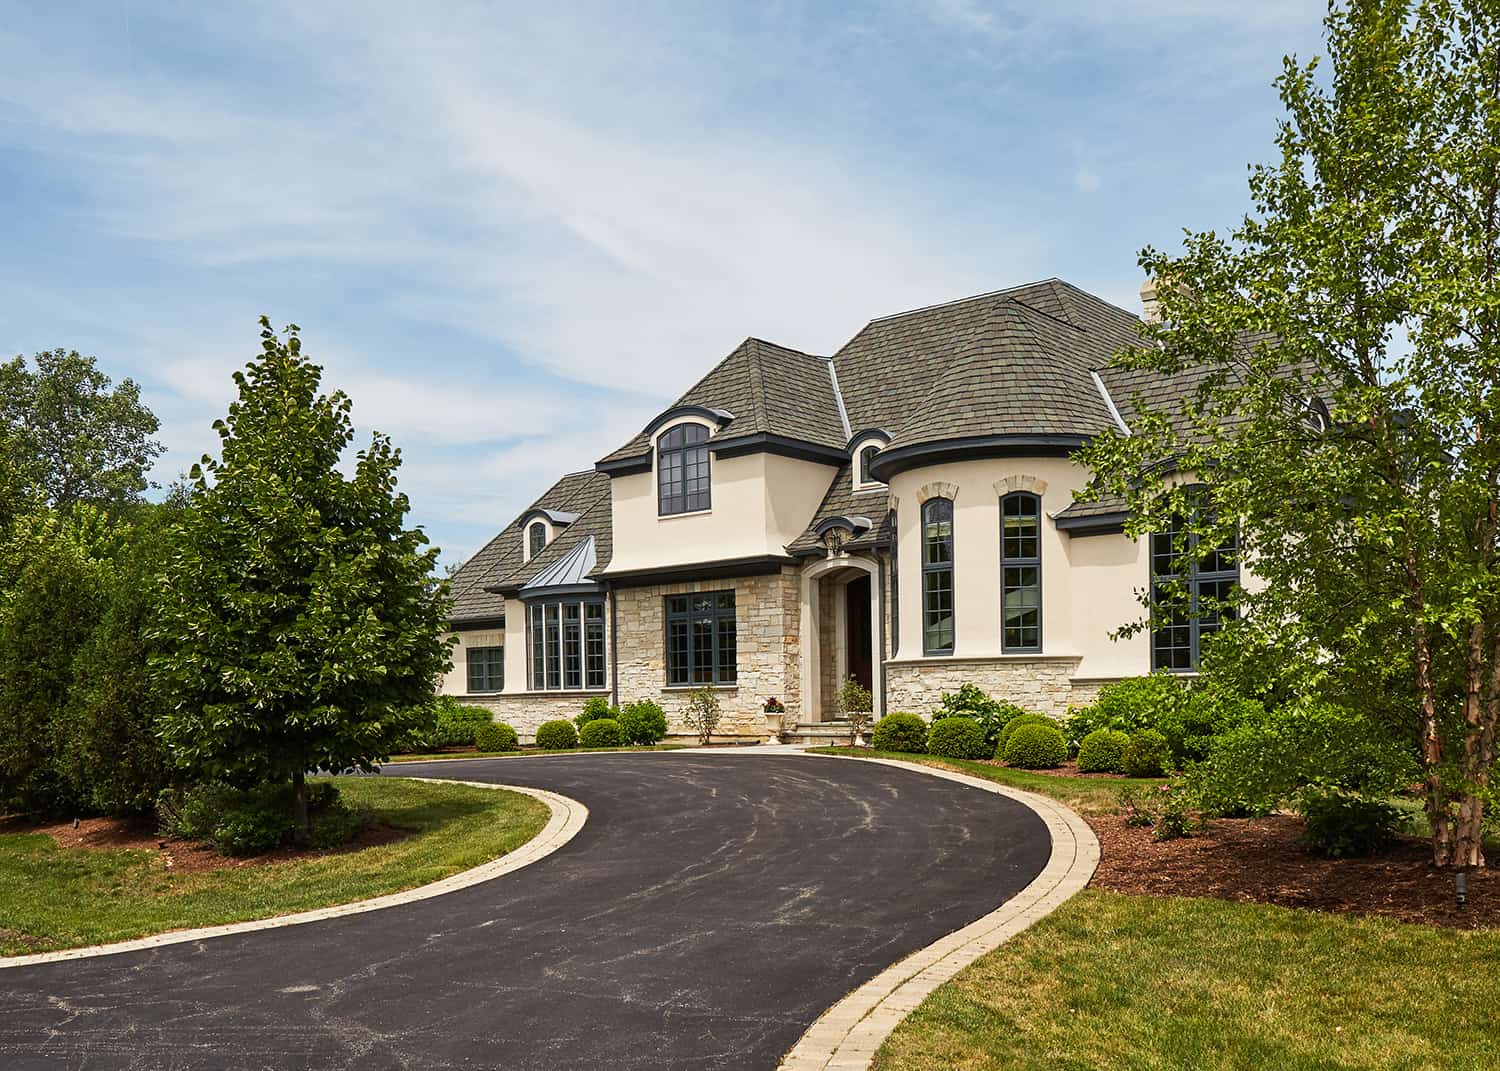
(1261, 860)
(186, 856)
(1067, 769)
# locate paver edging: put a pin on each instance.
(565, 821)
(847, 1035)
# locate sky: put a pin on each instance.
(514, 232)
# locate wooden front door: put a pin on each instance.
(857, 625)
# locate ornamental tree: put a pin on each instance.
(1343, 346)
(304, 627)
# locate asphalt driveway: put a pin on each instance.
(711, 909)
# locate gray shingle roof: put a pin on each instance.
(841, 500)
(770, 389)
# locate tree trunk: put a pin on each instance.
(299, 806)
(1468, 848)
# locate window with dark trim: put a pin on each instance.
(937, 576)
(866, 456)
(566, 642)
(1190, 593)
(682, 470)
(1021, 572)
(895, 594)
(538, 537)
(486, 667)
(701, 639)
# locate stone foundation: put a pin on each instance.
(1044, 685)
(526, 711)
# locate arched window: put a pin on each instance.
(682, 470)
(866, 456)
(1021, 573)
(1190, 589)
(937, 576)
(538, 538)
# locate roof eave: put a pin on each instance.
(895, 460)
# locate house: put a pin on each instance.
(901, 513)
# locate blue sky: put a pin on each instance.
(512, 232)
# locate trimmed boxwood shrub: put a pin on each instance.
(1016, 723)
(957, 738)
(556, 735)
(642, 722)
(1036, 747)
(1103, 751)
(594, 708)
(900, 732)
(496, 736)
(1147, 755)
(601, 732)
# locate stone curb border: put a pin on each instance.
(567, 818)
(846, 1036)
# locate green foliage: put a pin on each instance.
(1340, 824)
(971, 702)
(595, 707)
(1165, 809)
(957, 738)
(496, 736)
(1127, 706)
(1013, 725)
(1103, 751)
(900, 732)
(556, 735)
(601, 732)
(643, 722)
(70, 437)
(456, 723)
(702, 713)
(256, 820)
(1036, 747)
(301, 625)
(1147, 755)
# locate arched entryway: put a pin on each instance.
(840, 630)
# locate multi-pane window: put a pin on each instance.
(682, 470)
(937, 576)
(538, 537)
(566, 641)
(1021, 572)
(486, 669)
(866, 456)
(1190, 593)
(701, 639)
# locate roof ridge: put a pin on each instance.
(1043, 312)
(959, 301)
(757, 381)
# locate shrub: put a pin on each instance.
(855, 703)
(601, 732)
(256, 820)
(957, 738)
(594, 708)
(970, 702)
(1340, 824)
(556, 735)
(335, 825)
(1015, 724)
(1036, 747)
(1103, 751)
(642, 722)
(1128, 705)
(1147, 755)
(702, 714)
(454, 725)
(1162, 808)
(496, 736)
(900, 732)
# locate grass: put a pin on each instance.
(1115, 982)
(530, 752)
(1086, 795)
(53, 898)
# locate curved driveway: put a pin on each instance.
(712, 907)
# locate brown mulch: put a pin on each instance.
(1261, 860)
(186, 856)
(1067, 769)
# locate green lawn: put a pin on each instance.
(1119, 982)
(60, 898)
(1086, 795)
(529, 752)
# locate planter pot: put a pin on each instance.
(773, 726)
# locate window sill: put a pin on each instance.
(940, 659)
(695, 687)
(689, 513)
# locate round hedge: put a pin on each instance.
(1147, 755)
(1036, 747)
(594, 708)
(1015, 723)
(642, 722)
(556, 735)
(956, 738)
(601, 732)
(1103, 751)
(900, 732)
(495, 736)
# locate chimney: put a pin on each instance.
(1150, 311)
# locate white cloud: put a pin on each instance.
(1085, 180)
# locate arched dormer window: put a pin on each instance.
(866, 456)
(937, 576)
(536, 538)
(682, 470)
(1020, 573)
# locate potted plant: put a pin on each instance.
(855, 703)
(775, 712)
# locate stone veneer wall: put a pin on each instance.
(1044, 685)
(767, 613)
(526, 711)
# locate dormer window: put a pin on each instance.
(682, 470)
(866, 456)
(536, 538)
(864, 448)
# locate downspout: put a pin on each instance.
(880, 649)
(614, 646)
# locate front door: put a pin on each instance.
(857, 625)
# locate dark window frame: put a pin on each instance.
(536, 535)
(1014, 561)
(490, 669)
(1177, 639)
(684, 477)
(867, 455)
(566, 645)
(932, 571)
(689, 663)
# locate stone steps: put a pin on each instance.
(817, 733)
